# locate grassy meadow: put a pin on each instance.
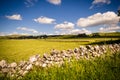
(105, 67)
(16, 50)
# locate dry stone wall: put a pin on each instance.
(55, 57)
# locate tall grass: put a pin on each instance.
(106, 67)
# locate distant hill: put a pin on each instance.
(93, 35)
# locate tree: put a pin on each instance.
(95, 35)
(82, 35)
(119, 14)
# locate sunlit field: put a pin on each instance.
(17, 50)
(59, 39)
(105, 67)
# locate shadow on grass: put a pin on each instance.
(106, 42)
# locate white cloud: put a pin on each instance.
(65, 26)
(24, 34)
(30, 3)
(113, 27)
(73, 32)
(16, 33)
(12, 33)
(14, 17)
(80, 31)
(2, 34)
(98, 19)
(56, 32)
(101, 1)
(27, 29)
(21, 33)
(97, 2)
(55, 2)
(45, 20)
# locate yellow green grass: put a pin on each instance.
(17, 50)
(105, 67)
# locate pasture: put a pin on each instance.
(17, 50)
(105, 67)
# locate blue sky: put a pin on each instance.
(58, 16)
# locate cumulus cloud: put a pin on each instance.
(109, 21)
(99, 2)
(55, 2)
(30, 3)
(45, 20)
(65, 26)
(27, 29)
(80, 31)
(113, 27)
(73, 32)
(14, 17)
(98, 19)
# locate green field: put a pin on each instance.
(105, 67)
(17, 50)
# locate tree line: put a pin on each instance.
(93, 35)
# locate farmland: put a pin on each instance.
(105, 67)
(16, 50)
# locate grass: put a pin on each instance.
(16, 50)
(106, 42)
(105, 67)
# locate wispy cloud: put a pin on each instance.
(65, 26)
(27, 29)
(55, 2)
(14, 17)
(2, 34)
(30, 3)
(45, 20)
(98, 19)
(99, 2)
(12, 33)
(16, 33)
